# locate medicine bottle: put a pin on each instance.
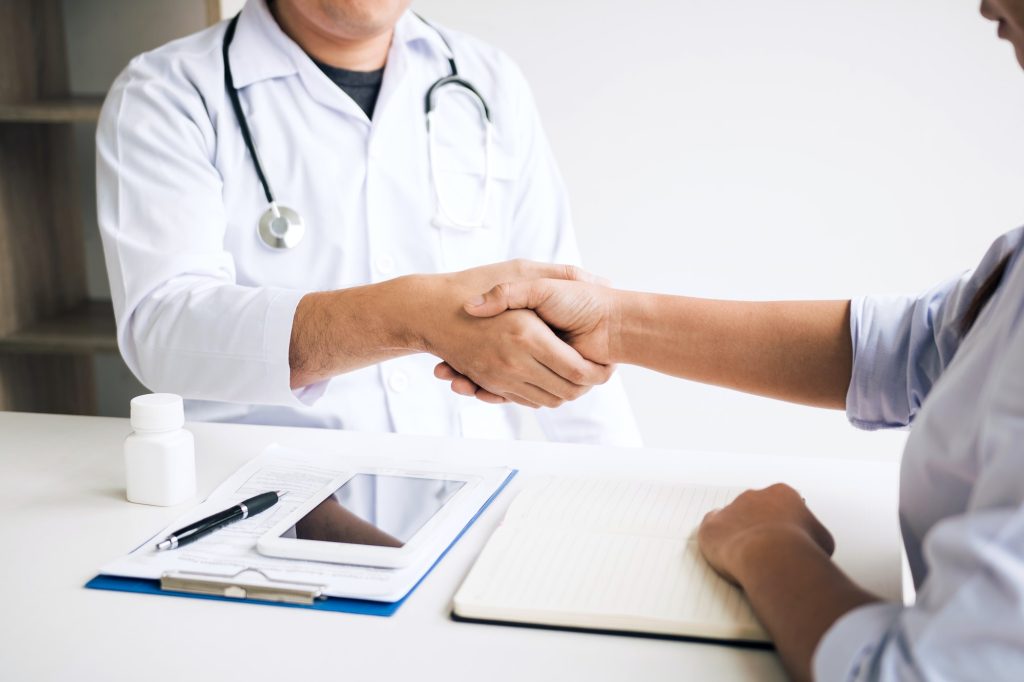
(159, 455)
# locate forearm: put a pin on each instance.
(797, 593)
(791, 350)
(335, 332)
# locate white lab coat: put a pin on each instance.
(204, 309)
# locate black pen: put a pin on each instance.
(242, 510)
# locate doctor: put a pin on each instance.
(271, 191)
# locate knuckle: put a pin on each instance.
(576, 375)
(503, 291)
(572, 272)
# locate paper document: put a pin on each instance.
(232, 549)
(607, 555)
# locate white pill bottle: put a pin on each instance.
(159, 454)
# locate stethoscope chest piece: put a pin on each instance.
(281, 227)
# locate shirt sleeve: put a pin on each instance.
(543, 231)
(184, 325)
(967, 623)
(902, 344)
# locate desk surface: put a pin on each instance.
(63, 514)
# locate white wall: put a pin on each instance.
(759, 150)
(742, 149)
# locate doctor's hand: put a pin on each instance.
(582, 312)
(512, 357)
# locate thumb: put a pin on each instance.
(507, 296)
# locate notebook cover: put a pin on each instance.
(742, 643)
(339, 604)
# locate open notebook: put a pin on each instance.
(614, 555)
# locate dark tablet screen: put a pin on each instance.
(374, 509)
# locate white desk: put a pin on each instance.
(63, 514)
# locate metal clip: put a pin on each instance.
(218, 585)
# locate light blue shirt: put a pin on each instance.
(962, 480)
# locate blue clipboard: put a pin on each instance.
(340, 604)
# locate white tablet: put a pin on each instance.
(381, 517)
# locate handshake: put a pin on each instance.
(529, 333)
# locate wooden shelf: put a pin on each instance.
(86, 329)
(67, 110)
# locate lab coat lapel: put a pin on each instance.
(410, 33)
(395, 72)
(261, 50)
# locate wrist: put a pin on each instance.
(754, 551)
(408, 306)
(625, 326)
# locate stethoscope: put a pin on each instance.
(281, 227)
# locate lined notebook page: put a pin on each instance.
(607, 554)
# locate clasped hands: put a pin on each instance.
(518, 342)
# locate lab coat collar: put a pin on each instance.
(261, 50)
(411, 29)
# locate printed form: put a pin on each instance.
(231, 551)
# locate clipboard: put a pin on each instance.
(241, 588)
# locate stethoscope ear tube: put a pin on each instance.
(454, 79)
(447, 216)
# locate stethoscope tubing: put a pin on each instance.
(281, 227)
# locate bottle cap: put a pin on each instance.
(157, 412)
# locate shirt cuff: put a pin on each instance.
(277, 335)
(877, 391)
(847, 648)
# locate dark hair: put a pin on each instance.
(983, 294)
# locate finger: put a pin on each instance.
(520, 400)
(548, 380)
(445, 371)
(483, 395)
(506, 296)
(528, 269)
(566, 362)
(538, 396)
(464, 386)
(460, 383)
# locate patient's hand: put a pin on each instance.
(583, 314)
(511, 356)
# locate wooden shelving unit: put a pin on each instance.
(86, 328)
(66, 110)
(47, 327)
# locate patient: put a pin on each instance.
(949, 362)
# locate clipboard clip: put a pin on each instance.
(231, 586)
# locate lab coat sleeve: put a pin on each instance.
(183, 323)
(543, 231)
(902, 344)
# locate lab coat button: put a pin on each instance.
(398, 382)
(385, 264)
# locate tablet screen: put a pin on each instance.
(375, 509)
